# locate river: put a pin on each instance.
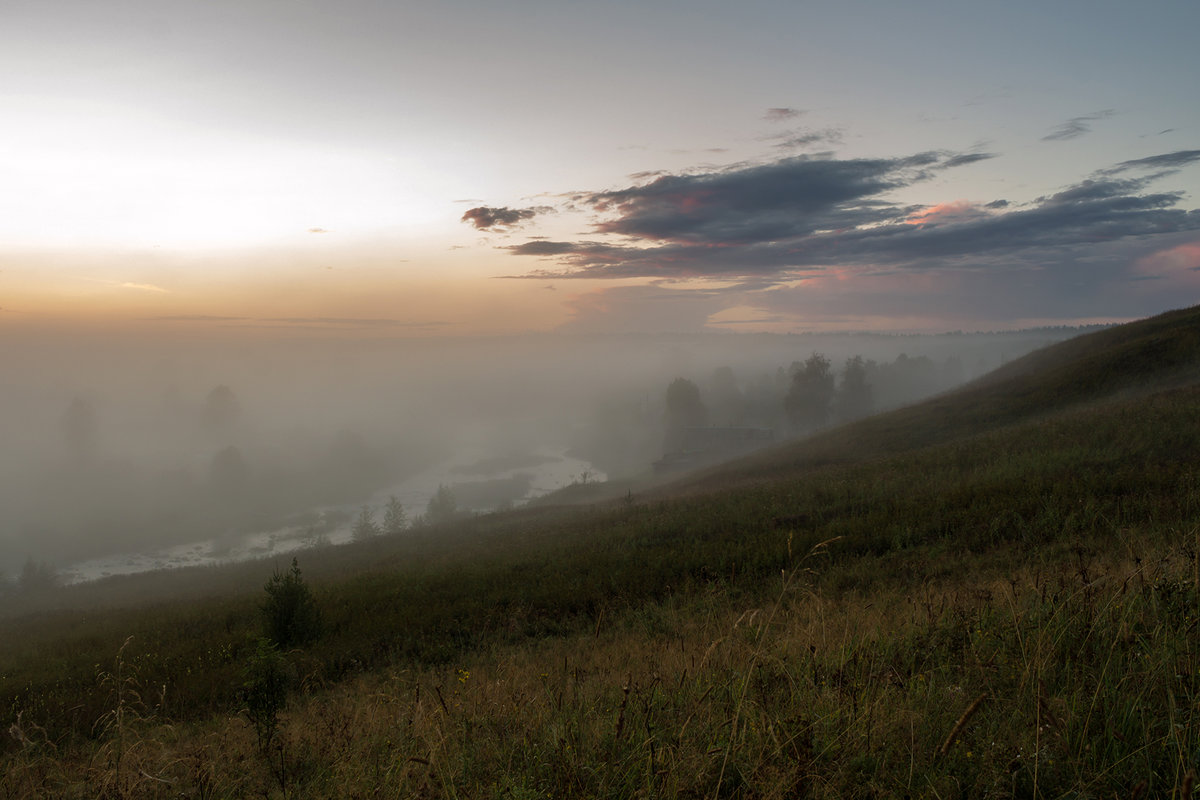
(479, 479)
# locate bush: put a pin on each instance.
(290, 614)
(265, 690)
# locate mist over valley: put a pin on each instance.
(126, 453)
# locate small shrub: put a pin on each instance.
(290, 614)
(265, 690)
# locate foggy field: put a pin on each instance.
(990, 593)
(128, 452)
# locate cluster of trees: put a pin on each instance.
(180, 471)
(805, 397)
(817, 397)
(442, 507)
(35, 577)
(395, 520)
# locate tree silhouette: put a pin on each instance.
(685, 410)
(290, 613)
(228, 474)
(365, 527)
(443, 506)
(810, 397)
(729, 405)
(855, 399)
(394, 518)
(36, 576)
(221, 410)
(79, 428)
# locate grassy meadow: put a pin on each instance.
(992, 594)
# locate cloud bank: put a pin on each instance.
(805, 213)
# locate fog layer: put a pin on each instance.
(122, 444)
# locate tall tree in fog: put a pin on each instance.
(79, 428)
(810, 398)
(394, 518)
(855, 399)
(728, 403)
(685, 410)
(36, 576)
(365, 526)
(221, 410)
(442, 507)
(229, 475)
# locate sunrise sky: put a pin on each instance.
(462, 168)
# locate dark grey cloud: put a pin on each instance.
(806, 213)
(487, 218)
(964, 159)
(805, 137)
(1076, 126)
(1179, 158)
(784, 199)
(781, 114)
(544, 247)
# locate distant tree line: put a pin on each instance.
(35, 577)
(802, 398)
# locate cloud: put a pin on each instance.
(784, 199)
(195, 318)
(1172, 261)
(781, 114)
(364, 322)
(140, 287)
(486, 218)
(317, 230)
(967, 158)
(803, 137)
(543, 247)
(957, 211)
(1179, 158)
(1076, 126)
(804, 214)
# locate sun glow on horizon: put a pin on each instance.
(88, 175)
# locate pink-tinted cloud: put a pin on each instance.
(1180, 261)
(952, 212)
(805, 213)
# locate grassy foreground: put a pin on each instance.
(1004, 604)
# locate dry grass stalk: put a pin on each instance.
(962, 723)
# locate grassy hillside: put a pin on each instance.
(994, 593)
(1130, 361)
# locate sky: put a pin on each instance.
(477, 168)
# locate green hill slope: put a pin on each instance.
(1131, 360)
